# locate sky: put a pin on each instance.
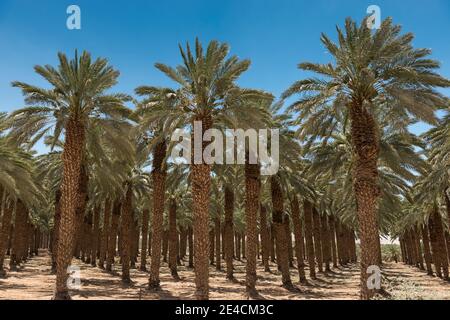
(135, 34)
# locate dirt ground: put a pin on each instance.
(34, 281)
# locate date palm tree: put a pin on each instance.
(77, 94)
(380, 70)
(207, 94)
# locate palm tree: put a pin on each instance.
(372, 71)
(77, 94)
(207, 94)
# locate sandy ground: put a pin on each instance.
(34, 281)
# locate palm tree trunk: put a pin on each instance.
(212, 238)
(298, 234)
(365, 142)
(191, 247)
(126, 231)
(112, 237)
(426, 250)
(439, 248)
(8, 210)
(95, 235)
(307, 209)
(265, 238)
(201, 184)
(317, 239)
(333, 240)
(55, 230)
(173, 250)
(281, 237)
(218, 246)
(229, 210)
(159, 186)
(72, 159)
(145, 219)
(252, 195)
(105, 234)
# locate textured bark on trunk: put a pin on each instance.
(326, 242)
(112, 237)
(317, 239)
(126, 231)
(334, 253)
(229, 233)
(287, 228)
(83, 199)
(252, 195)
(418, 249)
(273, 253)
(307, 209)
(15, 256)
(426, 250)
(173, 234)
(95, 235)
(439, 248)
(55, 231)
(8, 210)
(265, 238)
(165, 245)
(365, 142)
(191, 247)
(212, 238)
(281, 237)
(298, 234)
(105, 233)
(72, 159)
(145, 220)
(218, 246)
(201, 185)
(159, 186)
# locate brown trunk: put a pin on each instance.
(317, 240)
(333, 241)
(281, 237)
(439, 247)
(298, 234)
(265, 238)
(112, 237)
(212, 238)
(145, 219)
(308, 212)
(218, 229)
(229, 248)
(426, 250)
(55, 230)
(365, 142)
(159, 186)
(173, 234)
(252, 190)
(95, 236)
(191, 247)
(126, 231)
(105, 233)
(326, 241)
(72, 159)
(8, 210)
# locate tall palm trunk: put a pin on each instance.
(173, 234)
(298, 234)
(439, 247)
(95, 235)
(426, 250)
(55, 230)
(105, 233)
(112, 237)
(252, 195)
(18, 244)
(281, 236)
(159, 186)
(326, 241)
(72, 159)
(218, 243)
(265, 238)
(201, 184)
(8, 210)
(334, 253)
(307, 210)
(317, 239)
(126, 231)
(191, 247)
(229, 233)
(145, 219)
(365, 141)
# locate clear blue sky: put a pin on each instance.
(134, 34)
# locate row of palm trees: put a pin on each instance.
(349, 167)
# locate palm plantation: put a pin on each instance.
(110, 196)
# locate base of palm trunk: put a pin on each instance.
(3, 273)
(126, 280)
(154, 285)
(62, 296)
(143, 269)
